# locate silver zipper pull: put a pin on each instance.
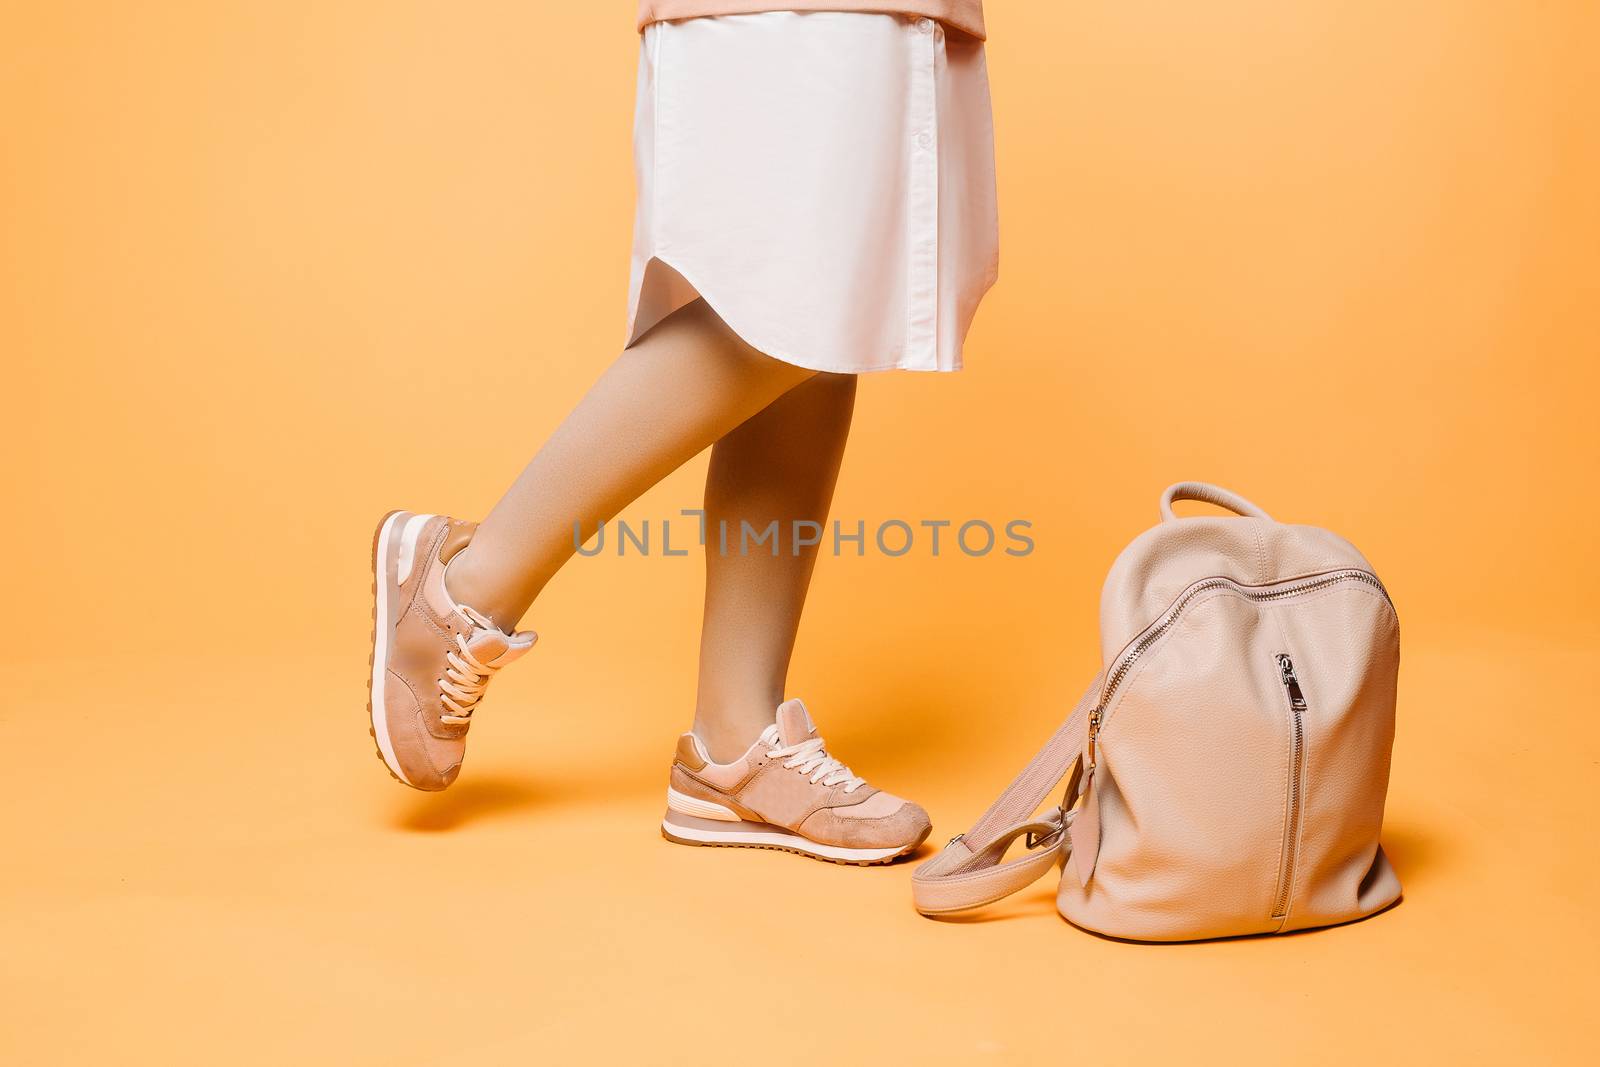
(1297, 697)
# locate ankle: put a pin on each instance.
(727, 738)
(466, 585)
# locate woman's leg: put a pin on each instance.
(685, 384)
(778, 467)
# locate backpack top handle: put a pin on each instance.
(1209, 494)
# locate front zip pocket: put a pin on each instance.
(1297, 752)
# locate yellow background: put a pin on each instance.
(270, 269)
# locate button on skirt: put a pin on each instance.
(824, 180)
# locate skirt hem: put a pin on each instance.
(748, 337)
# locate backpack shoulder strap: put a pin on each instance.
(970, 871)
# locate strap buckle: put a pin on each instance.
(1034, 840)
(1064, 810)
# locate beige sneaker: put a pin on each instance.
(787, 793)
(431, 657)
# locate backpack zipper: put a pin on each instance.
(1259, 594)
(1291, 828)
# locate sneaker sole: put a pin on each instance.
(378, 661)
(687, 830)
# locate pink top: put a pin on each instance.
(963, 15)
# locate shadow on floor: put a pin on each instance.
(1413, 852)
(465, 802)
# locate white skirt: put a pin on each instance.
(824, 180)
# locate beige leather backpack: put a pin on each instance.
(1226, 771)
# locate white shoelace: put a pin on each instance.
(810, 757)
(464, 683)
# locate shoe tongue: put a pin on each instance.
(794, 723)
(492, 646)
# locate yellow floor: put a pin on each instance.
(202, 873)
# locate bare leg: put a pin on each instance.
(684, 385)
(780, 466)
